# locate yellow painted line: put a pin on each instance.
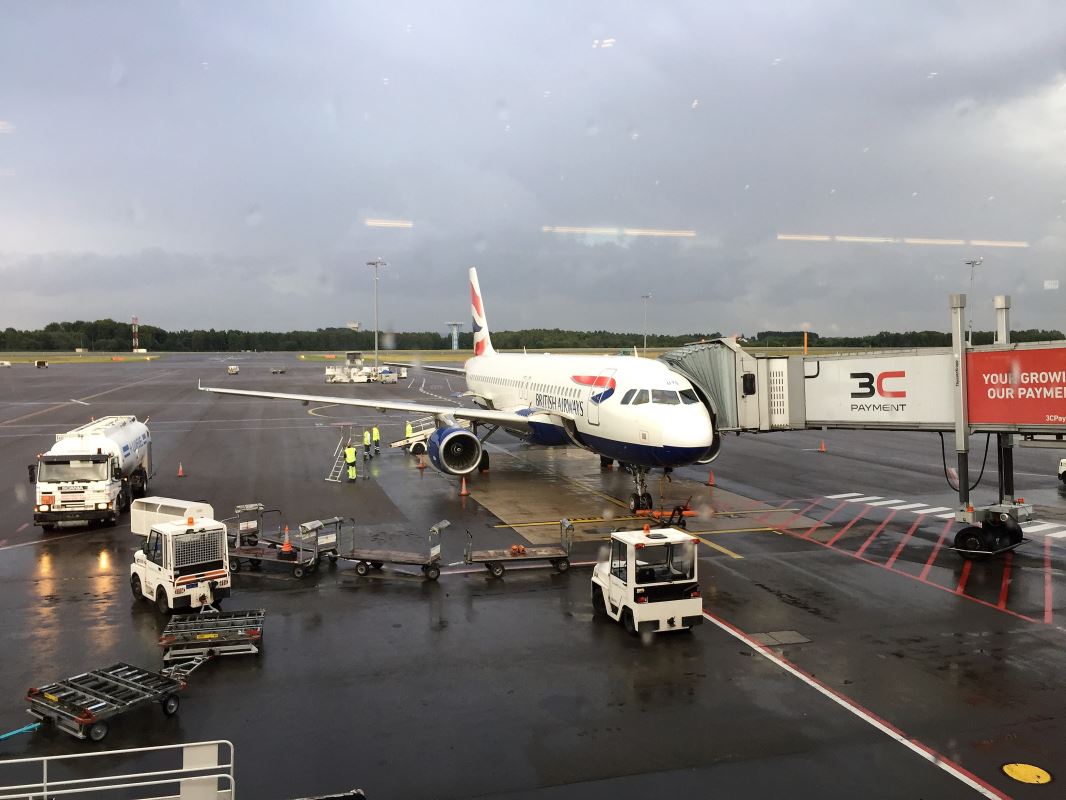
(312, 411)
(574, 520)
(728, 530)
(1026, 773)
(720, 549)
(753, 511)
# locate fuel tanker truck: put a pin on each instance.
(93, 472)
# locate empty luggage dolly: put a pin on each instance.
(367, 558)
(83, 705)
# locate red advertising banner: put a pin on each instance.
(1017, 387)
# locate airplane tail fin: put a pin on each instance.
(482, 342)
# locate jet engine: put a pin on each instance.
(454, 451)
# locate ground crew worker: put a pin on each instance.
(408, 431)
(366, 444)
(376, 436)
(350, 459)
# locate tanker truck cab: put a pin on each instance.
(182, 565)
(648, 582)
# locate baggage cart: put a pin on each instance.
(258, 536)
(83, 705)
(495, 560)
(369, 557)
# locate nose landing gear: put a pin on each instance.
(641, 498)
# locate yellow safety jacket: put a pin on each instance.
(349, 454)
(377, 435)
(408, 431)
(366, 437)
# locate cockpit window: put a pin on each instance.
(688, 397)
(628, 396)
(665, 397)
(641, 398)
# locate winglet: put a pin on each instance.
(482, 342)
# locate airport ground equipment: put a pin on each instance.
(675, 517)
(1062, 470)
(255, 533)
(83, 704)
(1006, 390)
(93, 472)
(351, 371)
(233, 369)
(368, 557)
(190, 640)
(277, 370)
(40, 364)
(147, 511)
(347, 439)
(182, 565)
(649, 581)
(495, 561)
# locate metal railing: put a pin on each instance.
(206, 772)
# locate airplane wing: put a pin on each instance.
(507, 419)
(429, 367)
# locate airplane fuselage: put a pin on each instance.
(635, 410)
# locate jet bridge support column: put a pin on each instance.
(962, 433)
(1004, 441)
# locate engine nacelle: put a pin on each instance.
(454, 451)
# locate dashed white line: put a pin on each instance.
(885, 502)
(933, 510)
(1036, 527)
(842, 496)
(909, 506)
(1057, 535)
(865, 499)
(945, 516)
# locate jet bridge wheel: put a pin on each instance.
(1003, 532)
(970, 538)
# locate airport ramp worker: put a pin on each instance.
(408, 431)
(350, 456)
(375, 434)
(366, 444)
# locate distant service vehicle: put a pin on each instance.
(5, 363)
(233, 369)
(648, 581)
(182, 564)
(92, 473)
(1062, 470)
(625, 408)
(41, 364)
(277, 370)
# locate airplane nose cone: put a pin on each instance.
(690, 434)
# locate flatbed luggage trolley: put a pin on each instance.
(190, 640)
(83, 705)
(367, 558)
(556, 555)
(254, 535)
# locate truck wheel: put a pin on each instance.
(234, 565)
(599, 608)
(299, 571)
(161, 602)
(561, 564)
(332, 558)
(362, 568)
(496, 569)
(170, 705)
(98, 731)
(431, 573)
(135, 588)
(627, 620)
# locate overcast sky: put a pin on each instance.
(206, 164)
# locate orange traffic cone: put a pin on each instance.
(710, 478)
(181, 470)
(421, 463)
(287, 546)
(821, 446)
(463, 492)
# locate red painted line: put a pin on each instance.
(923, 750)
(1048, 615)
(914, 578)
(932, 556)
(822, 521)
(903, 542)
(846, 528)
(801, 513)
(964, 576)
(22, 527)
(1004, 587)
(873, 535)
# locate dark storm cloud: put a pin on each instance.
(205, 164)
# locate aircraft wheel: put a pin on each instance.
(634, 502)
(645, 501)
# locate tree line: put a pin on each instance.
(107, 335)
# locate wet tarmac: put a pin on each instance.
(847, 650)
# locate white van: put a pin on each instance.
(147, 511)
(233, 369)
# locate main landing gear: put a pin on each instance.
(641, 498)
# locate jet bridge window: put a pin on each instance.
(664, 397)
(641, 398)
(688, 397)
(628, 396)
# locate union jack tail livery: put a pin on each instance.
(482, 342)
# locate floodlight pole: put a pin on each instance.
(973, 264)
(645, 298)
(377, 263)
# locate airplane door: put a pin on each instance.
(600, 389)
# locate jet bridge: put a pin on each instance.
(1003, 389)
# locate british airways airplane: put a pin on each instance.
(634, 410)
